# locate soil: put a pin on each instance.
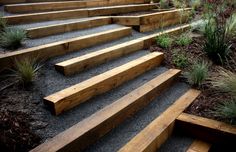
(209, 98)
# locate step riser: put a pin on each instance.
(206, 129)
(29, 1)
(80, 13)
(76, 65)
(63, 47)
(63, 28)
(77, 94)
(112, 115)
(55, 6)
(158, 131)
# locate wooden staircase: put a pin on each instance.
(98, 13)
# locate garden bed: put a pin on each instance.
(210, 97)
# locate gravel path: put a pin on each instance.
(131, 127)
(176, 143)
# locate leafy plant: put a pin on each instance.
(216, 45)
(25, 70)
(198, 74)
(195, 3)
(226, 110)
(164, 41)
(12, 38)
(3, 23)
(225, 81)
(180, 59)
(164, 4)
(184, 40)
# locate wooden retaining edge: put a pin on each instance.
(158, 131)
(62, 47)
(81, 92)
(77, 13)
(3, 2)
(100, 123)
(65, 5)
(87, 61)
(67, 27)
(149, 22)
(199, 146)
(207, 129)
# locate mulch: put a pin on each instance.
(209, 97)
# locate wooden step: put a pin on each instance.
(81, 92)
(87, 61)
(158, 131)
(77, 13)
(63, 47)
(199, 146)
(67, 27)
(65, 5)
(207, 129)
(97, 125)
(3, 2)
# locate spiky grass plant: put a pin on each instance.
(3, 23)
(164, 41)
(225, 82)
(231, 27)
(198, 74)
(26, 70)
(226, 110)
(184, 40)
(12, 38)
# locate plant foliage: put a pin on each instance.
(180, 59)
(164, 41)
(198, 74)
(12, 38)
(184, 40)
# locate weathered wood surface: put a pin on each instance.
(199, 146)
(65, 5)
(87, 61)
(81, 92)
(77, 13)
(206, 129)
(158, 131)
(63, 47)
(67, 27)
(97, 125)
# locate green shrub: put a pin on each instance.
(216, 44)
(25, 70)
(225, 81)
(180, 59)
(184, 40)
(198, 74)
(164, 4)
(226, 110)
(3, 23)
(195, 3)
(164, 41)
(12, 38)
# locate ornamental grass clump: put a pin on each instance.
(26, 70)
(12, 38)
(225, 82)
(184, 40)
(226, 110)
(198, 74)
(164, 41)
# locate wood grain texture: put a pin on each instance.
(63, 47)
(76, 13)
(158, 131)
(97, 125)
(87, 61)
(67, 27)
(65, 5)
(209, 130)
(81, 92)
(199, 146)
